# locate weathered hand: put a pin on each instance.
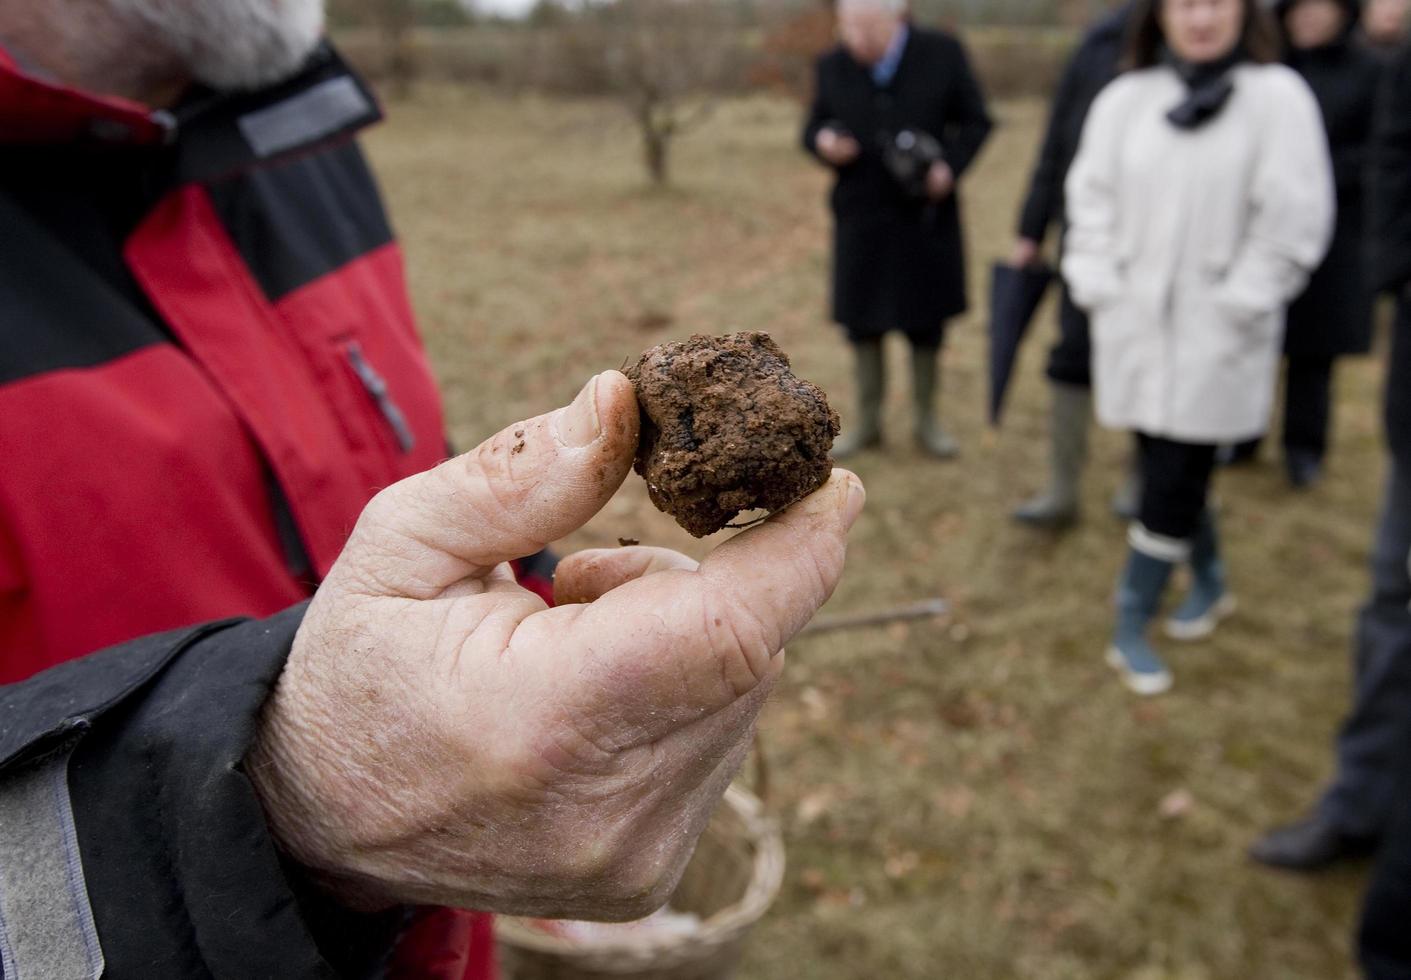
(837, 148)
(1025, 253)
(440, 736)
(940, 181)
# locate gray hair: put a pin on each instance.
(889, 6)
(230, 45)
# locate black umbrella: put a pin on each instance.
(1014, 296)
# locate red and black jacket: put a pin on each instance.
(208, 365)
(208, 362)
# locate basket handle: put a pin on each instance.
(761, 769)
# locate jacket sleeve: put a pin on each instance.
(820, 111)
(1292, 205)
(128, 765)
(969, 123)
(1046, 185)
(1090, 264)
(1389, 200)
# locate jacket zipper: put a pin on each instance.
(376, 388)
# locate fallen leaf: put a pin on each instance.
(1176, 804)
(814, 805)
(815, 704)
(901, 865)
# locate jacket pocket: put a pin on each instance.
(374, 427)
(376, 389)
(1254, 325)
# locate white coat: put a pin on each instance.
(1185, 246)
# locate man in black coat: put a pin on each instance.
(899, 116)
(1360, 810)
(1384, 681)
(1092, 66)
(1333, 317)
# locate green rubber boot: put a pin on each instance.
(865, 432)
(1056, 506)
(930, 436)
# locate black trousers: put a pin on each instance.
(1175, 484)
(1308, 407)
(1070, 360)
(1374, 746)
(1308, 398)
(863, 339)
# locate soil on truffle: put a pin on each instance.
(728, 427)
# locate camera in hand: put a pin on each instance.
(908, 155)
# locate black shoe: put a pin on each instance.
(1313, 844)
(1305, 468)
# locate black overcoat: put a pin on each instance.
(1334, 314)
(1389, 222)
(1092, 66)
(898, 262)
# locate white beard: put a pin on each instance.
(231, 45)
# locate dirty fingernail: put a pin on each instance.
(856, 497)
(577, 426)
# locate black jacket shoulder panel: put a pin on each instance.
(300, 219)
(62, 277)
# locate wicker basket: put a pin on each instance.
(732, 879)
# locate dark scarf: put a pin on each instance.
(1208, 86)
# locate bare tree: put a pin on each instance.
(667, 61)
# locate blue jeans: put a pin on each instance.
(1373, 743)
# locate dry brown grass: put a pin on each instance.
(977, 798)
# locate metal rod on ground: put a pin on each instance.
(927, 609)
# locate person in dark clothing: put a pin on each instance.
(1092, 66)
(1384, 27)
(1333, 316)
(899, 115)
(1357, 812)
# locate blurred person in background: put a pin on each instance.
(1092, 66)
(1384, 668)
(1384, 25)
(1356, 810)
(1200, 201)
(899, 116)
(1333, 316)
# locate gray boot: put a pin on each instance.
(930, 436)
(1057, 505)
(865, 432)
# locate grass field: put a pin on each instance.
(971, 798)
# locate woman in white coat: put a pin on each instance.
(1200, 200)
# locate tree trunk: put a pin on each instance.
(401, 64)
(656, 146)
(395, 20)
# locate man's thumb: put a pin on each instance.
(532, 483)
